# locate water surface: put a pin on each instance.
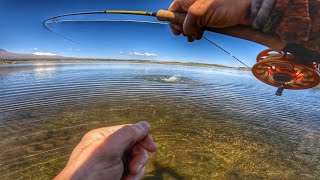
(208, 123)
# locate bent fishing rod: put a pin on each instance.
(292, 67)
(178, 18)
(239, 31)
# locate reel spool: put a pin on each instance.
(282, 70)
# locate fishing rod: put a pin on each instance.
(283, 66)
(173, 17)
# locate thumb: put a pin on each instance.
(124, 138)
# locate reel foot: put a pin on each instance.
(280, 90)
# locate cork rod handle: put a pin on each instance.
(239, 31)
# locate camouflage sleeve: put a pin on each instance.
(260, 13)
(294, 21)
(314, 35)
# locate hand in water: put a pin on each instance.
(105, 153)
(209, 13)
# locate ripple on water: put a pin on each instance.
(208, 123)
(174, 79)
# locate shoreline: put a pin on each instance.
(30, 61)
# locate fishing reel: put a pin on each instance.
(285, 71)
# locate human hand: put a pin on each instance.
(105, 153)
(209, 13)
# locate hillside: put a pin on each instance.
(5, 55)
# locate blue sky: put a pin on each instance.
(22, 31)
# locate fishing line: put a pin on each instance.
(54, 20)
(225, 51)
(142, 13)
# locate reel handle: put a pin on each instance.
(238, 31)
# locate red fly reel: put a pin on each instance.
(280, 69)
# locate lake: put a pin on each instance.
(208, 123)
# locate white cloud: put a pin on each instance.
(35, 49)
(140, 54)
(44, 54)
(150, 54)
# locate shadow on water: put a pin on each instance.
(162, 172)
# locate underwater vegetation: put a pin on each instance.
(205, 122)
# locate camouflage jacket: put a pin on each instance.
(298, 22)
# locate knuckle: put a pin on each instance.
(143, 159)
(146, 157)
(128, 130)
(88, 135)
(198, 10)
(93, 134)
(145, 154)
(172, 7)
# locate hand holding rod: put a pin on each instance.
(239, 31)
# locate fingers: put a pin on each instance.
(176, 29)
(139, 160)
(148, 144)
(137, 164)
(190, 39)
(193, 24)
(180, 5)
(137, 176)
(139, 157)
(124, 138)
(141, 173)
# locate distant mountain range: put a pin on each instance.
(5, 55)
